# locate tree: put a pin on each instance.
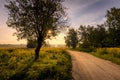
(99, 35)
(105, 35)
(33, 19)
(85, 35)
(71, 39)
(113, 23)
(90, 36)
(31, 43)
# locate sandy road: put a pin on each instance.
(88, 67)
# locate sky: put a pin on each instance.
(79, 12)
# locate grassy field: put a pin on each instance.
(19, 64)
(111, 54)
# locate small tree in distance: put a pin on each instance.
(71, 39)
(31, 43)
(34, 18)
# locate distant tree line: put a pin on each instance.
(104, 35)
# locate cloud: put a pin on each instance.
(76, 5)
(90, 12)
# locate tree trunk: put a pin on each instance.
(37, 50)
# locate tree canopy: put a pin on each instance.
(90, 36)
(113, 24)
(34, 18)
(31, 43)
(71, 39)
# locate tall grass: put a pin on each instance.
(19, 64)
(111, 54)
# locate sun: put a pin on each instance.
(49, 31)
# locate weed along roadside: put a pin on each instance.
(19, 64)
(111, 54)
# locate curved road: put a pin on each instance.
(88, 67)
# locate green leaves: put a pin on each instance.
(71, 39)
(104, 35)
(33, 17)
(113, 24)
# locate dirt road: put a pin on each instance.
(88, 67)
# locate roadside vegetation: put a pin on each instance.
(19, 64)
(111, 54)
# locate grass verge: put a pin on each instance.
(111, 54)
